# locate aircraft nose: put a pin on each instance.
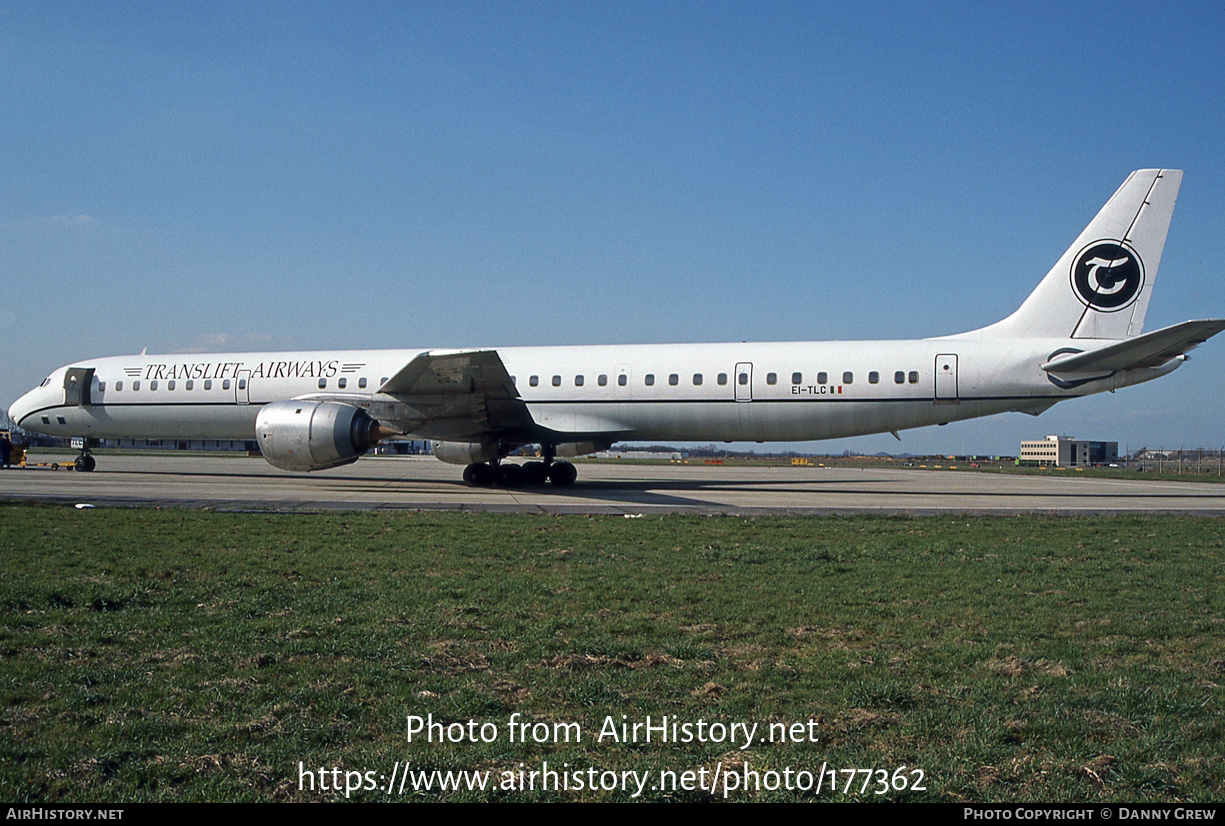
(22, 408)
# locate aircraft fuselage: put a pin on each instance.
(770, 391)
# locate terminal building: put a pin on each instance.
(1064, 451)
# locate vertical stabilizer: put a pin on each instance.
(1100, 287)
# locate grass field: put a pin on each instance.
(186, 655)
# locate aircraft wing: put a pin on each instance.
(457, 394)
(1149, 350)
(450, 372)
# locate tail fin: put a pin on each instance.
(1100, 287)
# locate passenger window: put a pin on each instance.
(170, 385)
(822, 378)
(322, 383)
(382, 381)
(914, 376)
(650, 379)
(136, 385)
(340, 383)
(101, 387)
(118, 386)
(771, 378)
(899, 377)
(190, 384)
(225, 384)
(622, 380)
(697, 379)
(557, 381)
(602, 380)
(534, 381)
(874, 377)
(674, 379)
(743, 378)
(721, 379)
(242, 383)
(796, 378)
(153, 384)
(848, 377)
(208, 384)
(361, 383)
(578, 381)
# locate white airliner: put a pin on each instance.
(1078, 333)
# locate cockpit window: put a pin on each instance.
(46, 381)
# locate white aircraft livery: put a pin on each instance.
(1079, 332)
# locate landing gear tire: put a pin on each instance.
(85, 463)
(562, 474)
(535, 473)
(479, 475)
(509, 475)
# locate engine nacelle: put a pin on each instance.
(305, 436)
(464, 453)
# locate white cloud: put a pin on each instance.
(211, 342)
(72, 220)
(206, 343)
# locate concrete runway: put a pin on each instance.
(244, 483)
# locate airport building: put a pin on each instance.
(1064, 451)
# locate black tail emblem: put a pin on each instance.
(1107, 276)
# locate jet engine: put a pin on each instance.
(464, 453)
(305, 436)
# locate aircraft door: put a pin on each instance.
(743, 378)
(78, 386)
(946, 378)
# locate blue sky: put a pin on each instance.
(239, 176)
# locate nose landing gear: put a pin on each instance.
(85, 462)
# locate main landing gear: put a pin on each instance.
(530, 474)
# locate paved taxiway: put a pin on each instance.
(246, 483)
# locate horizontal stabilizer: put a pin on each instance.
(1149, 350)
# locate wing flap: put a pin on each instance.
(1149, 350)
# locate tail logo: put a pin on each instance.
(1107, 276)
